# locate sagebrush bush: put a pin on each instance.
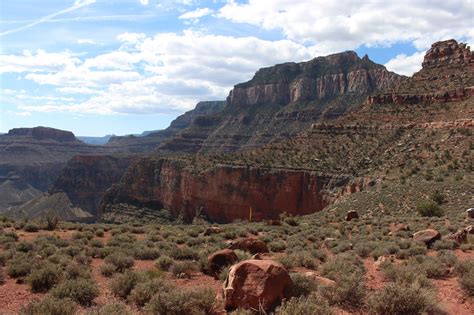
(107, 270)
(402, 298)
(19, 267)
(302, 285)
(349, 291)
(51, 306)
(309, 305)
(143, 292)
(465, 270)
(183, 301)
(44, 278)
(124, 283)
(111, 309)
(82, 291)
(31, 227)
(164, 263)
(121, 261)
(183, 269)
(429, 209)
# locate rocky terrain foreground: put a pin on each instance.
(331, 186)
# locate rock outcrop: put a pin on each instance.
(318, 79)
(448, 52)
(446, 76)
(32, 158)
(43, 133)
(428, 236)
(171, 137)
(220, 193)
(255, 285)
(85, 178)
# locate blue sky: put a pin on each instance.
(99, 67)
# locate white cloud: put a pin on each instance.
(85, 41)
(340, 25)
(39, 61)
(406, 65)
(196, 14)
(144, 2)
(165, 73)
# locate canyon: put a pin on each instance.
(295, 139)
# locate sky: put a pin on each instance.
(98, 67)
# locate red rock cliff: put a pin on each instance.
(223, 193)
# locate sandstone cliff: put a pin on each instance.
(32, 158)
(220, 193)
(446, 76)
(283, 100)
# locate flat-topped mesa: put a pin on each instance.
(44, 133)
(318, 79)
(448, 52)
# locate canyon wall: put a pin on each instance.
(221, 193)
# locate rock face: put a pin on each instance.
(31, 160)
(447, 52)
(428, 236)
(220, 259)
(446, 76)
(221, 193)
(320, 78)
(255, 284)
(283, 100)
(43, 133)
(172, 134)
(85, 178)
(250, 244)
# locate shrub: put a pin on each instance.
(466, 281)
(179, 301)
(18, 267)
(124, 283)
(111, 309)
(107, 270)
(143, 292)
(31, 227)
(51, 306)
(349, 291)
(120, 261)
(99, 233)
(311, 305)
(402, 298)
(52, 223)
(45, 278)
(438, 197)
(183, 269)
(82, 291)
(302, 285)
(146, 253)
(164, 263)
(429, 209)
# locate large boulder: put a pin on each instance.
(428, 236)
(250, 244)
(218, 260)
(352, 214)
(256, 284)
